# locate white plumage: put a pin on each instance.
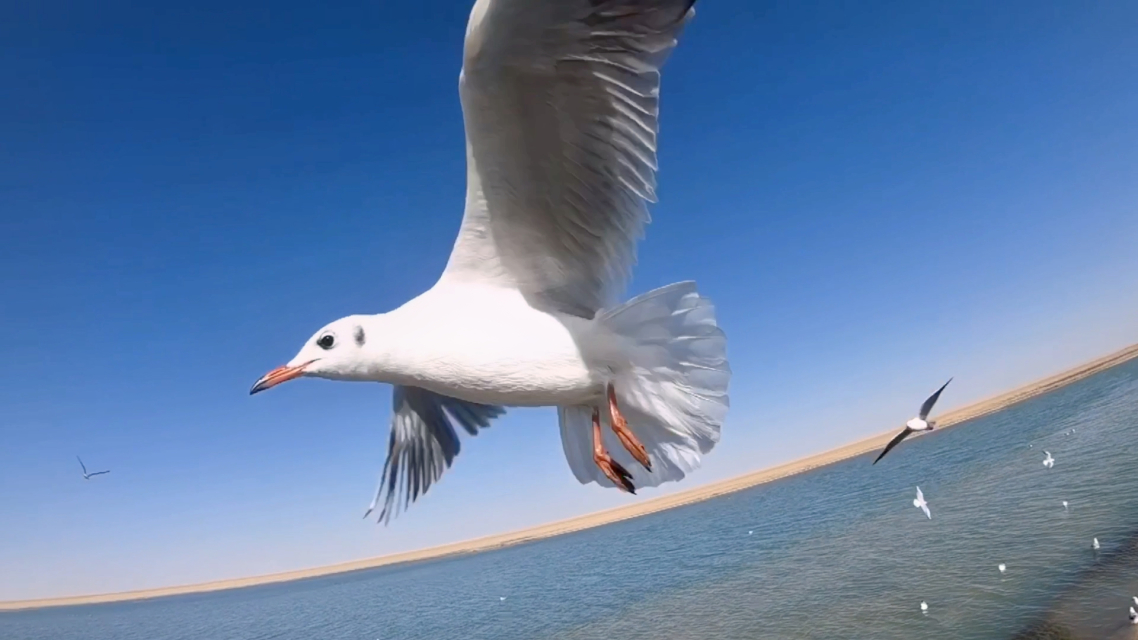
(920, 503)
(560, 100)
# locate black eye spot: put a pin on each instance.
(360, 338)
(326, 341)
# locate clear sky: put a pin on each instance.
(876, 198)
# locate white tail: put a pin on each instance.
(673, 391)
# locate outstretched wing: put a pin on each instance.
(894, 442)
(560, 99)
(928, 405)
(99, 473)
(82, 465)
(423, 443)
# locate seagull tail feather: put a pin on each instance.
(673, 391)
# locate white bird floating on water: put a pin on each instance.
(920, 423)
(1133, 616)
(925, 606)
(560, 101)
(88, 476)
(1064, 504)
(1135, 599)
(1048, 461)
(1094, 544)
(920, 503)
(1002, 567)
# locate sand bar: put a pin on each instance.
(599, 518)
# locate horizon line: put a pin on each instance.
(612, 515)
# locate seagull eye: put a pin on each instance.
(326, 341)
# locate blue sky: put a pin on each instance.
(876, 198)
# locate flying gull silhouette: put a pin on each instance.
(920, 423)
(88, 476)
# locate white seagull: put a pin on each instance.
(1094, 544)
(1048, 461)
(920, 503)
(920, 423)
(925, 606)
(1064, 504)
(1133, 616)
(88, 476)
(1002, 567)
(560, 100)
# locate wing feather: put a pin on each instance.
(894, 442)
(423, 444)
(561, 106)
(928, 405)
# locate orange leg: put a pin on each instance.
(627, 438)
(611, 468)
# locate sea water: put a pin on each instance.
(838, 552)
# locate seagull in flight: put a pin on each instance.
(560, 101)
(88, 476)
(920, 503)
(1048, 461)
(920, 423)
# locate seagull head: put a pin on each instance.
(336, 352)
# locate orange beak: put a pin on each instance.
(277, 376)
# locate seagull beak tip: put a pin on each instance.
(277, 376)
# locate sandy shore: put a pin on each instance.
(599, 518)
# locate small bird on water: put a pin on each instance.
(1002, 567)
(925, 606)
(1133, 616)
(920, 423)
(1048, 461)
(560, 100)
(1094, 544)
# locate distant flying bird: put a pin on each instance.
(561, 105)
(920, 503)
(920, 423)
(1002, 567)
(88, 476)
(1048, 461)
(1094, 544)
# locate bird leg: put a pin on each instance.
(611, 468)
(627, 438)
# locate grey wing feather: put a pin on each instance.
(561, 105)
(894, 442)
(81, 464)
(423, 444)
(928, 405)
